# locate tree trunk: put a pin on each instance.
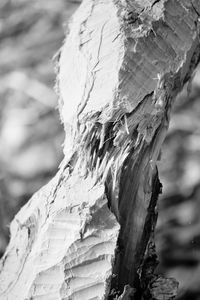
(89, 233)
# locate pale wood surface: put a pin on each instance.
(85, 234)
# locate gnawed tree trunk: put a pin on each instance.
(89, 234)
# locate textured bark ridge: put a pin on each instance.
(88, 234)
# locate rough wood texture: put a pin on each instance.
(89, 233)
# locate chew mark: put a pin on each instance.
(92, 74)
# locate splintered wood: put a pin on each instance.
(89, 233)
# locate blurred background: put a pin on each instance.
(31, 136)
(31, 32)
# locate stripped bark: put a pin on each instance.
(88, 234)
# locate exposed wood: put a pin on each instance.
(88, 234)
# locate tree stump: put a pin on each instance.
(89, 233)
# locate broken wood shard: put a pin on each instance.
(85, 235)
(163, 288)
